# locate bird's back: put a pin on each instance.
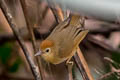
(67, 35)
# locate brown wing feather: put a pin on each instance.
(67, 36)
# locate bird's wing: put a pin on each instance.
(68, 35)
(71, 36)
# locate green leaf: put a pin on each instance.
(5, 53)
(15, 66)
(116, 58)
(111, 77)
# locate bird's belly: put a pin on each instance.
(60, 60)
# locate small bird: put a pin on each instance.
(63, 41)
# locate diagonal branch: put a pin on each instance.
(12, 24)
(30, 29)
(57, 12)
(82, 65)
(80, 60)
(29, 25)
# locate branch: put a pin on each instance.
(114, 70)
(5, 37)
(30, 29)
(57, 12)
(13, 26)
(105, 31)
(29, 25)
(90, 38)
(82, 65)
(101, 44)
(101, 27)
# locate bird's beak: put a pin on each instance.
(38, 53)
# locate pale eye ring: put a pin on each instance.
(47, 50)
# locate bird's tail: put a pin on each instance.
(75, 19)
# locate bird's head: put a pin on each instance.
(47, 51)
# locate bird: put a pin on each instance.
(63, 41)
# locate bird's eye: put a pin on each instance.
(47, 50)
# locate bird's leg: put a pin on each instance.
(68, 62)
(70, 66)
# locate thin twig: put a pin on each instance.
(113, 70)
(45, 12)
(80, 60)
(57, 12)
(39, 14)
(56, 15)
(106, 75)
(84, 64)
(29, 25)
(70, 66)
(12, 24)
(80, 67)
(111, 61)
(30, 28)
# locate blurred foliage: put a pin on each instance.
(116, 57)
(119, 46)
(15, 66)
(5, 52)
(112, 77)
(116, 64)
(6, 55)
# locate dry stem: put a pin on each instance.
(12, 24)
